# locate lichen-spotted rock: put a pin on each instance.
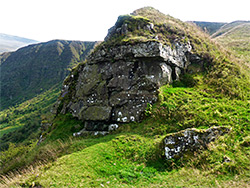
(117, 85)
(190, 140)
(121, 77)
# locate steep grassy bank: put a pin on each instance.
(234, 36)
(30, 83)
(238, 40)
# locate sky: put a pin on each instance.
(89, 20)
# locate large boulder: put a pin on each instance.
(177, 144)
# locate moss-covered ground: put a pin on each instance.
(132, 156)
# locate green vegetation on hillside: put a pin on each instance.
(137, 25)
(34, 69)
(23, 121)
(234, 36)
(132, 156)
(210, 27)
(227, 27)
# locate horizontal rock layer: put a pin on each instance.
(116, 83)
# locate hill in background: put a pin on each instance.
(228, 27)
(36, 68)
(11, 43)
(210, 27)
(31, 79)
(236, 36)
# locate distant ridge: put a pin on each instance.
(11, 43)
(236, 36)
(210, 27)
(229, 26)
(36, 68)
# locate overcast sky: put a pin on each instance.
(89, 20)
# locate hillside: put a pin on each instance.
(210, 27)
(234, 36)
(161, 82)
(237, 38)
(11, 43)
(22, 123)
(36, 68)
(227, 27)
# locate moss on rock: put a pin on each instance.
(190, 140)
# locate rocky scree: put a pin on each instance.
(118, 81)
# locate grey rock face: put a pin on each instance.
(119, 80)
(190, 140)
(116, 83)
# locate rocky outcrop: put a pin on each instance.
(190, 140)
(120, 78)
(117, 83)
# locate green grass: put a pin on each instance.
(124, 161)
(188, 107)
(8, 129)
(131, 156)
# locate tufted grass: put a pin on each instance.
(122, 161)
(131, 156)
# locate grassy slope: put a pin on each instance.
(227, 27)
(19, 122)
(131, 156)
(25, 73)
(238, 40)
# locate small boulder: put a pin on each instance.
(190, 140)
